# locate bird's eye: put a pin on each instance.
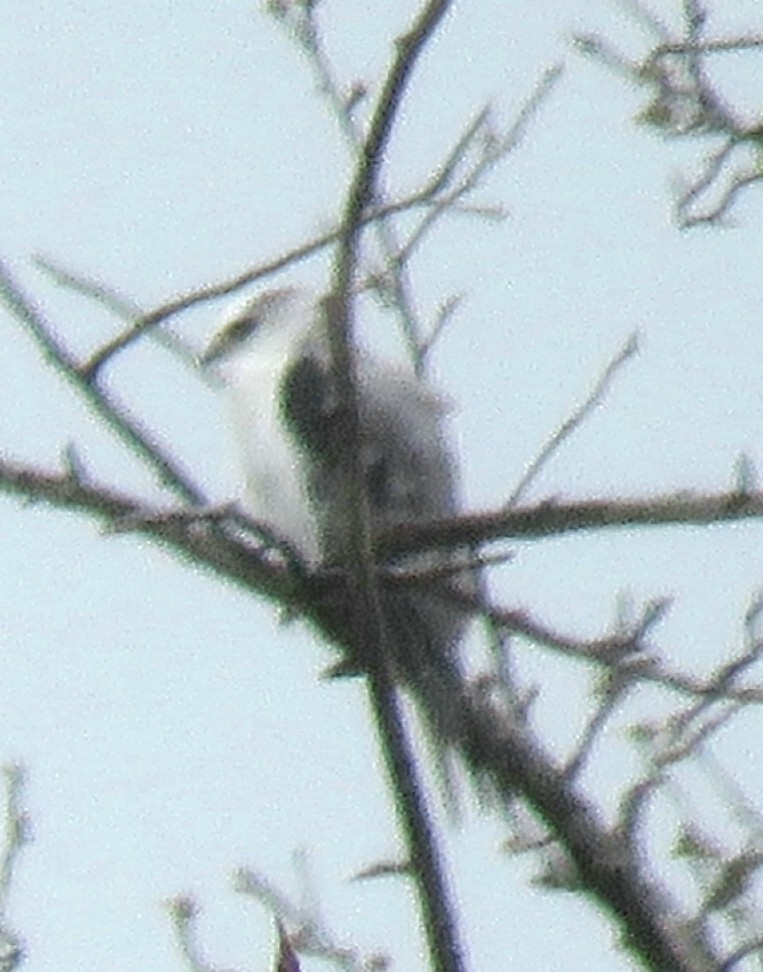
(243, 327)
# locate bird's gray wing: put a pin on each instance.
(410, 478)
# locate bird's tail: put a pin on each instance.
(423, 630)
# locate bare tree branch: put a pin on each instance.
(425, 197)
(651, 924)
(115, 416)
(17, 836)
(185, 912)
(574, 422)
(118, 305)
(308, 931)
(436, 902)
(685, 103)
(495, 734)
(505, 751)
(552, 518)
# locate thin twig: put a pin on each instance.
(592, 731)
(685, 103)
(263, 271)
(644, 17)
(575, 421)
(308, 932)
(396, 277)
(116, 304)
(185, 912)
(718, 212)
(17, 836)
(625, 656)
(127, 429)
(107, 297)
(493, 149)
(226, 551)
(722, 46)
(517, 763)
(435, 195)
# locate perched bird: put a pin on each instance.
(273, 357)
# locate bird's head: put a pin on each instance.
(275, 316)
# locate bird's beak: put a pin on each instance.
(213, 351)
(204, 359)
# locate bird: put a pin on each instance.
(272, 354)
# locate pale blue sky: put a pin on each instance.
(172, 730)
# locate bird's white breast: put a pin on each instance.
(274, 481)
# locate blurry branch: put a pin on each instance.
(184, 913)
(475, 153)
(243, 552)
(723, 875)
(480, 147)
(627, 658)
(107, 297)
(647, 20)
(17, 836)
(610, 694)
(554, 518)
(305, 936)
(685, 103)
(715, 168)
(492, 147)
(602, 862)
(364, 186)
(221, 543)
(112, 301)
(730, 45)
(728, 886)
(127, 514)
(445, 313)
(300, 22)
(308, 932)
(152, 319)
(496, 744)
(127, 429)
(575, 421)
(148, 320)
(426, 197)
(286, 958)
(493, 743)
(422, 844)
(235, 549)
